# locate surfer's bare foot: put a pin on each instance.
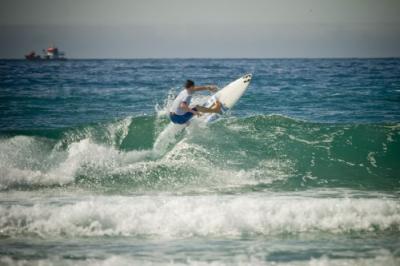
(217, 107)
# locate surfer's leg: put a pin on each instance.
(181, 119)
(215, 108)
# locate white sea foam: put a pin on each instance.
(163, 109)
(118, 131)
(187, 216)
(111, 134)
(26, 161)
(371, 159)
(387, 260)
(166, 138)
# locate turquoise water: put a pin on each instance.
(304, 171)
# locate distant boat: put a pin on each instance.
(32, 56)
(51, 53)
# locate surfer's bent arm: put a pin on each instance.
(186, 108)
(211, 88)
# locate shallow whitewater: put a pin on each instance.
(170, 216)
(75, 226)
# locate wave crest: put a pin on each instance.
(187, 216)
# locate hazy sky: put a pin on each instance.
(203, 28)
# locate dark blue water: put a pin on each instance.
(57, 94)
(303, 171)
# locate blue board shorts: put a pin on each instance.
(181, 119)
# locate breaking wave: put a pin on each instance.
(255, 152)
(199, 216)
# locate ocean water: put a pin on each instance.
(305, 170)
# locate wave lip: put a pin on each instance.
(188, 216)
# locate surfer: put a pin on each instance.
(181, 113)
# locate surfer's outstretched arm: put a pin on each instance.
(211, 88)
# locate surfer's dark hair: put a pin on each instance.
(189, 83)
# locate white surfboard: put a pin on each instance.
(228, 96)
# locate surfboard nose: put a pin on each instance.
(247, 78)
